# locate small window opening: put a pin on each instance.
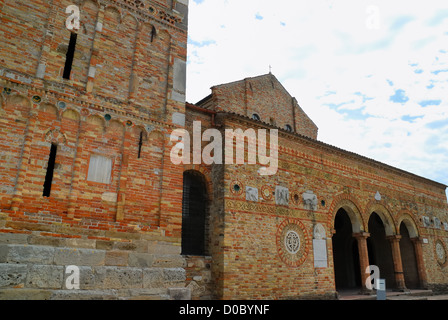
(288, 128)
(140, 144)
(153, 33)
(50, 170)
(256, 117)
(70, 56)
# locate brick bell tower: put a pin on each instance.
(90, 91)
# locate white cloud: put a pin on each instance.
(325, 54)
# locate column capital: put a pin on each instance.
(417, 240)
(361, 235)
(394, 237)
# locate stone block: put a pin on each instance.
(180, 293)
(24, 294)
(44, 241)
(123, 278)
(26, 254)
(130, 246)
(116, 258)
(169, 261)
(79, 257)
(104, 245)
(12, 275)
(45, 277)
(164, 248)
(153, 278)
(141, 260)
(13, 238)
(174, 274)
(84, 295)
(81, 243)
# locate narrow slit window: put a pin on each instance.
(153, 33)
(140, 144)
(70, 56)
(50, 170)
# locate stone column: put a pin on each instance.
(363, 259)
(420, 263)
(398, 265)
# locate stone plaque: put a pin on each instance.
(378, 196)
(251, 194)
(320, 253)
(281, 196)
(437, 223)
(426, 222)
(310, 200)
(319, 232)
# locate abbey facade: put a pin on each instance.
(88, 187)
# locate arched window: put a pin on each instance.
(194, 207)
(288, 128)
(256, 117)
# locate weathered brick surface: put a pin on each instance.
(261, 95)
(125, 95)
(247, 260)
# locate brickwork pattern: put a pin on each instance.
(261, 95)
(254, 266)
(122, 100)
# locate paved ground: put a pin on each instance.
(392, 295)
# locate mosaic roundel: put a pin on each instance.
(441, 253)
(293, 242)
(236, 187)
(266, 192)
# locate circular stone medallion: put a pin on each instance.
(293, 242)
(440, 253)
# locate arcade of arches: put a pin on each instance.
(398, 255)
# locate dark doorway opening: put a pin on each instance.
(409, 261)
(345, 253)
(380, 251)
(194, 207)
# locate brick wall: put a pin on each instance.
(255, 263)
(125, 95)
(266, 97)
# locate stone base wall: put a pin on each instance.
(107, 270)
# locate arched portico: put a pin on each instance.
(411, 251)
(349, 259)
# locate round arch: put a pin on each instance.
(352, 209)
(18, 100)
(410, 224)
(385, 216)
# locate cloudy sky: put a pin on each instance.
(373, 75)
